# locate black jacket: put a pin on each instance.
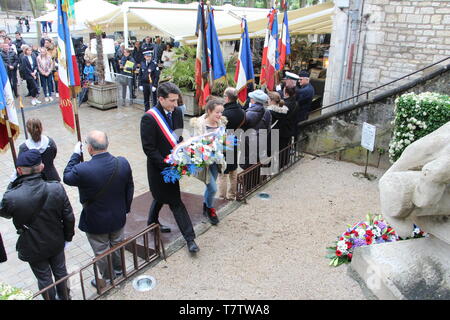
(48, 155)
(144, 72)
(26, 68)
(108, 212)
(304, 97)
(42, 229)
(235, 116)
(10, 58)
(286, 121)
(156, 148)
(3, 256)
(18, 43)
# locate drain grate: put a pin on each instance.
(264, 196)
(144, 283)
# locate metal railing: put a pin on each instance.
(103, 286)
(366, 93)
(251, 179)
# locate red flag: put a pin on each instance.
(202, 66)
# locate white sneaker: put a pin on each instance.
(38, 102)
(57, 95)
(50, 99)
(46, 99)
(33, 102)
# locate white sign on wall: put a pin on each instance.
(368, 136)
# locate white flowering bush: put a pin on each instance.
(8, 292)
(417, 115)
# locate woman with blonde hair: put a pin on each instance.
(45, 66)
(45, 145)
(210, 121)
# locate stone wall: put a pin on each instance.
(391, 39)
(338, 135)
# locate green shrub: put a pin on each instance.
(417, 115)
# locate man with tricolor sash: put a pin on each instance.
(158, 126)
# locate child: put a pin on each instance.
(89, 72)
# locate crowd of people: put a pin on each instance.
(37, 201)
(37, 65)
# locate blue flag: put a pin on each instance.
(214, 50)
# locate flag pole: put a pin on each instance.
(75, 113)
(10, 138)
(23, 117)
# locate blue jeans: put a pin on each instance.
(47, 84)
(211, 187)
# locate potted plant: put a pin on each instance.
(102, 94)
(182, 73)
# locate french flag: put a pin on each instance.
(244, 69)
(68, 73)
(285, 42)
(7, 106)
(272, 52)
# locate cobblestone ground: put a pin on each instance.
(122, 126)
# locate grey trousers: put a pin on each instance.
(43, 271)
(101, 243)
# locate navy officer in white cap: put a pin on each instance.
(147, 78)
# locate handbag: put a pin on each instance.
(105, 187)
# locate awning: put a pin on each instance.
(311, 20)
(171, 20)
(85, 10)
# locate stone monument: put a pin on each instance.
(415, 190)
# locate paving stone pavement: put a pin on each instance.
(122, 126)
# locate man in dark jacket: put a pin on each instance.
(236, 118)
(157, 144)
(19, 42)
(44, 220)
(11, 61)
(304, 95)
(147, 76)
(106, 188)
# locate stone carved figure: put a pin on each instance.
(416, 189)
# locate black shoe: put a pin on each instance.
(164, 229)
(192, 246)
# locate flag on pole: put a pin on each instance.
(244, 68)
(285, 42)
(270, 52)
(215, 52)
(7, 106)
(262, 77)
(68, 73)
(202, 66)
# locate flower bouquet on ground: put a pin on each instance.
(373, 230)
(194, 154)
(8, 292)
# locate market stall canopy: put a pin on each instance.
(85, 11)
(171, 20)
(311, 20)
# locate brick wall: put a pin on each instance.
(392, 39)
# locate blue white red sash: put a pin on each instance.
(164, 126)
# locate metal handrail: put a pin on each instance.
(159, 248)
(381, 86)
(250, 179)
